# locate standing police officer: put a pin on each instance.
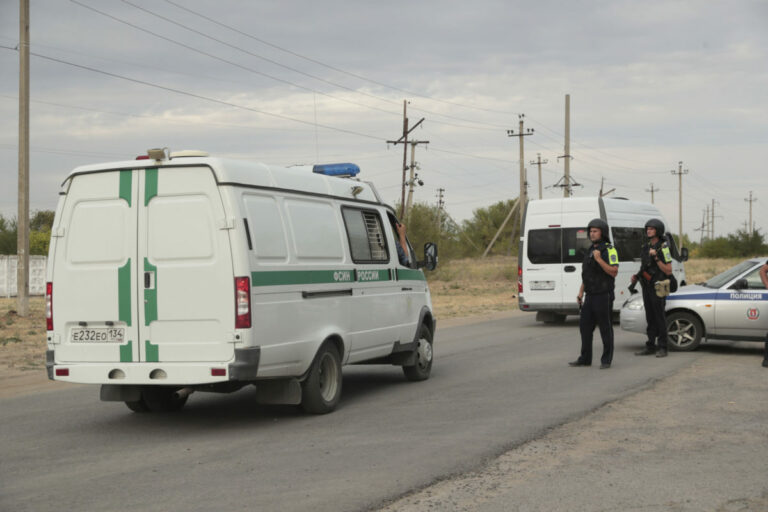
(601, 264)
(655, 266)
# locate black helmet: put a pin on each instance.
(602, 226)
(657, 225)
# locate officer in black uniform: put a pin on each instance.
(656, 265)
(601, 264)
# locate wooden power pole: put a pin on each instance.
(523, 194)
(680, 173)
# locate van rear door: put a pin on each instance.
(186, 285)
(95, 270)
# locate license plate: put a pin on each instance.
(542, 285)
(97, 335)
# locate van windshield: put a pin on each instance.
(557, 245)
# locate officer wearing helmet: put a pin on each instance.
(655, 266)
(601, 264)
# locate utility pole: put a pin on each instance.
(712, 224)
(539, 162)
(440, 204)
(750, 230)
(706, 216)
(680, 173)
(567, 155)
(413, 179)
(22, 237)
(652, 190)
(404, 141)
(523, 196)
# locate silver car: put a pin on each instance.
(730, 306)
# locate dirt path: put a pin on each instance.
(696, 441)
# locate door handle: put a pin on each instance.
(406, 289)
(570, 268)
(149, 280)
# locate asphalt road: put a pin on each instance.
(494, 386)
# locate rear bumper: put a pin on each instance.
(244, 367)
(564, 308)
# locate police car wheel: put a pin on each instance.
(321, 391)
(423, 366)
(684, 331)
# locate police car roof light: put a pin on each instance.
(336, 169)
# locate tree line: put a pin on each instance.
(427, 223)
(40, 224)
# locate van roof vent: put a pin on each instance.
(188, 153)
(336, 169)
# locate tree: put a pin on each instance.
(484, 224)
(7, 235)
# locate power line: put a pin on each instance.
(198, 96)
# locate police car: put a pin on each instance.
(730, 306)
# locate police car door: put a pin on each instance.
(742, 312)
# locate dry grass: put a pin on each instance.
(459, 288)
(22, 339)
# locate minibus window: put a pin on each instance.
(544, 246)
(575, 244)
(366, 236)
(628, 242)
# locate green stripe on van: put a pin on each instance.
(150, 185)
(126, 352)
(151, 352)
(124, 293)
(410, 275)
(150, 296)
(283, 277)
(126, 184)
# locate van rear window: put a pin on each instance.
(557, 245)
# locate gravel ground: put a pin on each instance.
(696, 441)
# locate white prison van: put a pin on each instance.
(179, 272)
(555, 239)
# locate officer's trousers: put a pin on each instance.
(655, 317)
(597, 310)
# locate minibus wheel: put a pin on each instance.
(157, 399)
(423, 366)
(321, 390)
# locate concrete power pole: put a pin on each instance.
(680, 173)
(750, 229)
(712, 223)
(539, 162)
(567, 155)
(412, 180)
(22, 240)
(652, 190)
(404, 141)
(523, 195)
(440, 204)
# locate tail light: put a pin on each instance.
(519, 279)
(49, 306)
(242, 303)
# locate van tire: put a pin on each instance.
(424, 355)
(321, 390)
(157, 399)
(684, 331)
(138, 406)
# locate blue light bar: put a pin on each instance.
(337, 169)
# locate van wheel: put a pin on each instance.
(321, 391)
(162, 399)
(138, 406)
(423, 366)
(684, 331)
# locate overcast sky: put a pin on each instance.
(651, 83)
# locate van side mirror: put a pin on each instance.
(684, 254)
(430, 256)
(741, 284)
